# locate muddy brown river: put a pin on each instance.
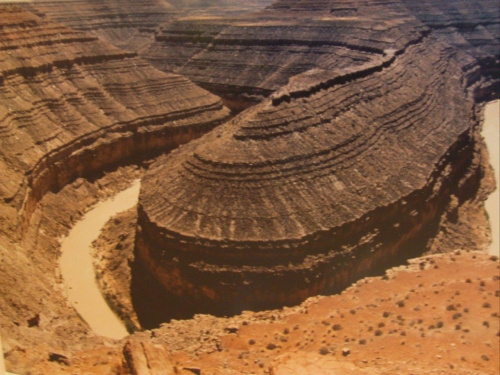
(491, 134)
(76, 264)
(76, 260)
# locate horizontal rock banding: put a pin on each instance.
(246, 58)
(317, 185)
(473, 27)
(130, 24)
(72, 105)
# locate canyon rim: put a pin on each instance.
(312, 185)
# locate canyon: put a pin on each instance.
(286, 150)
(237, 228)
(131, 25)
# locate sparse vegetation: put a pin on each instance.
(271, 346)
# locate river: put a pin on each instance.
(76, 261)
(77, 268)
(491, 134)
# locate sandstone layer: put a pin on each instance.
(126, 24)
(72, 106)
(244, 59)
(334, 176)
(473, 27)
(131, 24)
(344, 171)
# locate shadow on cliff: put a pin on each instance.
(152, 304)
(392, 246)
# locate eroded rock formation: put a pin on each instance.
(72, 106)
(127, 24)
(471, 26)
(131, 24)
(327, 180)
(367, 136)
(245, 59)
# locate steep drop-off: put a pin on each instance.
(246, 58)
(71, 105)
(343, 172)
(131, 24)
(333, 177)
(471, 26)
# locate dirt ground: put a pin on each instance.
(438, 315)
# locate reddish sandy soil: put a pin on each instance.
(441, 320)
(440, 315)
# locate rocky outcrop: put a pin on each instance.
(326, 181)
(142, 358)
(131, 24)
(338, 174)
(473, 27)
(247, 58)
(127, 24)
(389, 321)
(72, 106)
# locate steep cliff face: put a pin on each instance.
(245, 59)
(471, 26)
(71, 105)
(366, 137)
(127, 24)
(329, 179)
(130, 24)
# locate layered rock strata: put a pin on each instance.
(326, 181)
(130, 24)
(72, 106)
(472, 26)
(127, 24)
(245, 59)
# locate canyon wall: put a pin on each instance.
(333, 177)
(246, 58)
(366, 135)
(131, 24)
(471, 26)
(126, 24)
(277, 242)
(72, 106)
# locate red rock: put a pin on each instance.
(142, 358)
